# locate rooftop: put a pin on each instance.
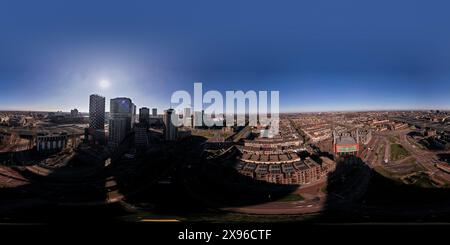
(345, 140)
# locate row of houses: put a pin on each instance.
(295, 173)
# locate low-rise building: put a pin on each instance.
(345, 144)
(51, 142)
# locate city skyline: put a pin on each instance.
(233, 113)
(283, 112)
(350, 59)
(355, 107)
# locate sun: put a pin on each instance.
(104, 83)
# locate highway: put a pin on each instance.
(425, 158)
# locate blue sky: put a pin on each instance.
(320, 55)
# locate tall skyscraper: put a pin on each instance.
(133, 115)
(141, 135)
(198, 118)
(96, 112)
(117, 131)
(144, 115)
(187, 117)
(154, 112)
(120, 122)
(170, 131)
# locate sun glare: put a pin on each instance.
(104, 84)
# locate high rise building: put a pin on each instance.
(133, 115)
(144, 116)
(96, 112)
(170, 131)
(187, 117)
(141, 135)
(117, 131)
(120, 123)
(154, 112)
(198, 118)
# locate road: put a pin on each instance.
(424, 158)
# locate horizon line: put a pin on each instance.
(283, 112)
